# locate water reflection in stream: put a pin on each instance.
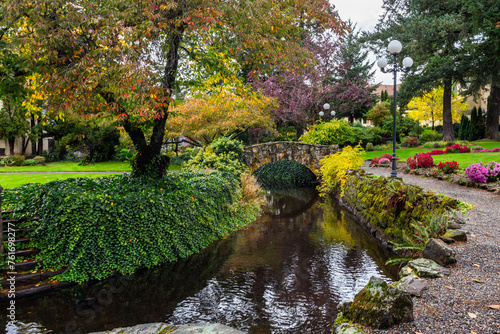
(284, 274)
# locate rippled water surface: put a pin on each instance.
(286, 273)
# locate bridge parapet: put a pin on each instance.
(308, 155)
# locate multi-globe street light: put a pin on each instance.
(394, 48)
(326, 106)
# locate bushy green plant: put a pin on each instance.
(284, 174)
(39, 160)
(30, 162)
(17, 159)
(335, 132)
(222, 154)
(333, 168)
(6, 161)
(366, 135)
(96, 227)
(430, 135)
(369, 147)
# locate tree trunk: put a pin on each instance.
(11, 145)
(447, 119)
(33, 142)
(493, 110)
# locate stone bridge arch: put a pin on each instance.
(308, 155)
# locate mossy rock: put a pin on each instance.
(379, 305)
(457, 235)
(347, 328)
(424, 268)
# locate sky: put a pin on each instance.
(366, 14)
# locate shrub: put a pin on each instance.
(455, 148)
(6, 161)
(383, 161)
(477, 173)
(336, 132)
(39, 160)
(430, 136)
(284, 174)
(411, 141)
(333, 168)
(448, 167)
(96, 227)
(222, 154)
(30, 162)
(485, 150)
(18, 160)
(376, 160)
(369, 147)
(420, 160)
(437, 152)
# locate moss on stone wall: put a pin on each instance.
(402, 211)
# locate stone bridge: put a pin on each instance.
(308, 155)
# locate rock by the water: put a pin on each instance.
(424, 268)
(347, 328)
(379, 305)
(154, 328)
(447, 240)
(457, 235)
(414, 286)
(454, 226)
(439, 252)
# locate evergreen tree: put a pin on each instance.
(481, 124)
(465, 128)
(474, 119)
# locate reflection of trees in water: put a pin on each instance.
(282, 274)
(146, 296)
(290, 202)
(286, 275)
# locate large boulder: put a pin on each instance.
(424, 268)
(457, 235)
(346, 328)
(439, 252)
(379, 305)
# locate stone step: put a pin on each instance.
(31, 290)
(26, 252)
(26, 266)
(34, 278)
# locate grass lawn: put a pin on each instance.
(16, 180)
(70, 166)
(463, 159)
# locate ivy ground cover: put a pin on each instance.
(96, 227)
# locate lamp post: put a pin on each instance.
(394, 48)
(326, 106)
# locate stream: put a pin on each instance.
(286, 273)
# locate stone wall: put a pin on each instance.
(308, 155)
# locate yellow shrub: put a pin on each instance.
(333, 168)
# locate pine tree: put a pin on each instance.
(474, 126)
(464, 128)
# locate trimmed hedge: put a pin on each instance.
(284, 174)
(96, 227)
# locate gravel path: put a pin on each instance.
(458, 303)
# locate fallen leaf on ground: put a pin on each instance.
(495, 307)
(472, 315)
(408, 270)
(476, 265)
(419, 333)
(477, 281)
(449, 287)
(473, 333)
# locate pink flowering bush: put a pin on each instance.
(448, 167)
(420, 160)
(376, 160)
(437, 152)
(457, 148)
(496, 149)
(383, 161)
(483, 173)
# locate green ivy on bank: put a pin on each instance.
(96, 227)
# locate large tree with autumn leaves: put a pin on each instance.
(122, 57)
